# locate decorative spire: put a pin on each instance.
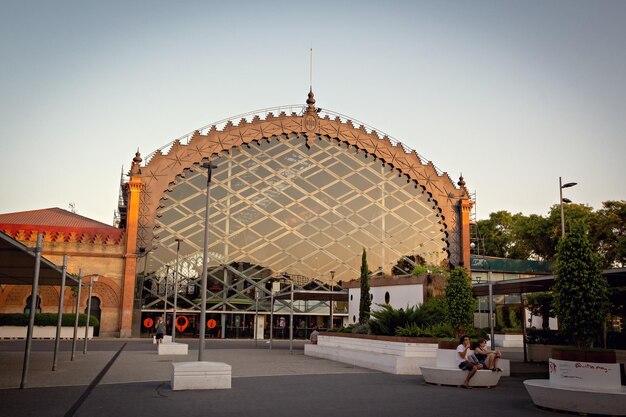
(137, 159)
(311, 102)
(461, 182)
(134, 168)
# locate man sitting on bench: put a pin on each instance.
(464, 360)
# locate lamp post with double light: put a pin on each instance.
(332, 289)
(564, 200)
(92, 279)
(178, 240)
(205, 261)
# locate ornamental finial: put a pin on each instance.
(311, 102)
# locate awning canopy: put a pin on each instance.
(17, 265)
(615, 277)
(313, 295)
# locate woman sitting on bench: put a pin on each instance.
(489, 358)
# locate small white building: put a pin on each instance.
(399, 292)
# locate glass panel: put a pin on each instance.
(281, 207)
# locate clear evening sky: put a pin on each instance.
(512, 94)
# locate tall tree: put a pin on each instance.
(609, 234)
(580, 290)
(461, 303)
(366, 301)
(540, 304)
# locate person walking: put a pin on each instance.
(160, 330)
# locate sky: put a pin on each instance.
(510, 94)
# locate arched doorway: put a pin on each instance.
(95, 312)
(28, 304)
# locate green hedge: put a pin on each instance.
(46, 319)
(615, 340)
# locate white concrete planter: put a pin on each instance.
(509, 340)
(400, 358)
(43, 332)
(539, 353)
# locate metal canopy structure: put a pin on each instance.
(314, 295)
(17, 265)
(615, 277)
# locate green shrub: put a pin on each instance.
(545, 337)
(361, 328)
(385, 320)
(439, 330)
(515, 321)
(433, 311)
(475, 333)
(442, 330)
(413, 330)
(420, 270)
(508, 316)
(46, 319)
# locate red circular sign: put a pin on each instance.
(211, 323)
(148, 323)
(181, 323)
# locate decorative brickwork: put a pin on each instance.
(162, 169)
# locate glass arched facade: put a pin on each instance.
(285, 208)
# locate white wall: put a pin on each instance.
(400, 296)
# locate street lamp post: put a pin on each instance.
(332, 289)
(178, 240)
(205, 262)
(92, 279)
(80, 284)
(564, 200)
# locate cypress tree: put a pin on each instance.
(580, 290)
(460, 300)
(366, 301)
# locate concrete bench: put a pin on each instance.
(201, 375)
(580, 387)
(446, 372)
(577, 400)
(173, 348)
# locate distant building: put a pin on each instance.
(295, 195)
(92, 247)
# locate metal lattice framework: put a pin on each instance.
(293, 194)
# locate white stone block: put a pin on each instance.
(173, 348)
(201, 375)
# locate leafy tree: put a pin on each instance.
(365, 303)
(540, 304)
(572, 213)
(609, 233)
(460, 301)
(533, 236)
(580, 290)
(536, 237)
(497, 235)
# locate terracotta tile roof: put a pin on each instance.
(58, 225)
(55, 217)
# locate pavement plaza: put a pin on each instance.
(126, 377)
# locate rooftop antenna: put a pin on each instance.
(311, 70)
